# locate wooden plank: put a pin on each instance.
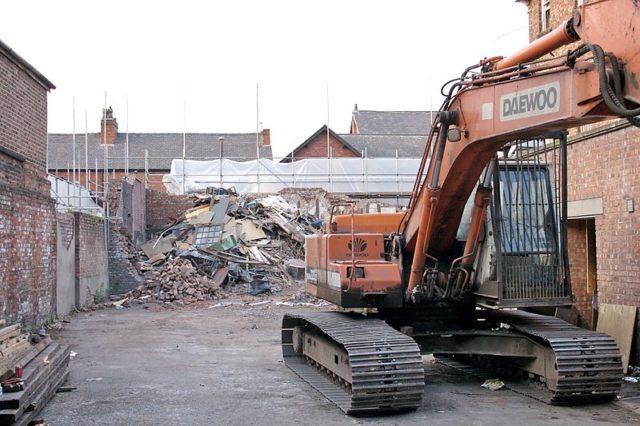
(42, 399)
(31, 374)
(35, 350)
(618, 322)
(9, 332)
(33, 389)
(26, 359)
(7, 343)
(10, 356)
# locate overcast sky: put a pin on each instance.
(209, 55)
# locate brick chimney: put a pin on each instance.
(108, 127)
(266, 137)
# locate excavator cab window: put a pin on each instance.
(527, 216)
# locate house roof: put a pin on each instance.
(375, 146)
(162, 147)
(321, 130)
(392, 122)
(385, 146)
(25, 66)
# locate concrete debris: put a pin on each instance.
(229, 243)
(175, 282)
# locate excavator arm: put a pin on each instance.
(515, 98)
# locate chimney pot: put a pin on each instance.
(266, 137)
(108, 127)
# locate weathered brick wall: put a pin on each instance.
(163, 209)
(123, 253)
(27, 213)
(318, 148)
(27, 243)
(23, 113)
(92, 275)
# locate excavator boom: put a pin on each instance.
(512, 100)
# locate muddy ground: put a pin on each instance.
(222, 365)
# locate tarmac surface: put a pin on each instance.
(223, 365)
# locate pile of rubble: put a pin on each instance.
(177, 282)
(228, 243)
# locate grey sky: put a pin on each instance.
(384, 55)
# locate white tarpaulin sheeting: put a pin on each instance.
(347, 175)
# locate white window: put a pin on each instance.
(579, 3)
(545, 15)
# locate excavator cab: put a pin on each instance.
(523, 256)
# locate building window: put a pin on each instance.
(579, 3)
(545, 15)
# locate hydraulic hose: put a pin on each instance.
(610, 98)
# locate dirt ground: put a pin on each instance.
(222, 365)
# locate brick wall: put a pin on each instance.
(318, 148)
(163, 209)
(27, 213)
(123, 253)
(23, 114)
(607, 167)
(92, 277)
(27, 243)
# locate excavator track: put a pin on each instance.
(588, 364)
(387, 373)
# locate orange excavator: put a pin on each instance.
(473, 268)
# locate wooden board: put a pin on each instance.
(9, 332)
(44, 381)
(618, 322)
(10, 357)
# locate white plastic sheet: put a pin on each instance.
(344, 175)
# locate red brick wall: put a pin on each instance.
(608, 167)
(27, 213)
(163, 209)
(27, 244)
(23, 114)
(91, 258)
(318, 148)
